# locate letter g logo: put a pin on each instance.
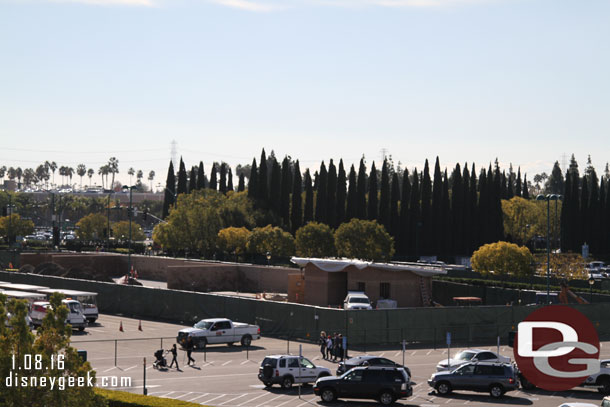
(557, 348)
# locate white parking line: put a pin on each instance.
(234, 398)
(429, 352)
(414, 352)
(217, 397)
(227, 362)
(397, 354)
(252, 399)
(275, 398)
(198, 397)
(129, 368)
(244, 362)
(167, 394)
(381, 355)
(184, 395)
(107, 370)
(287, 401)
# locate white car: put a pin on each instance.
(578, 405)
(289, 369)
(356, 300)
(470, 355)
(600, 380)
(76, 318)
(219, 330)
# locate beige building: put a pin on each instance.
(327, 281)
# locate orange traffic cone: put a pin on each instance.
(10, 265)
(140, 326)
(121, 327)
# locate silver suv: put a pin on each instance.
(495, 378)
(288, 369)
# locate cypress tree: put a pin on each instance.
(308, 212)
(170, 188)
(315, 181)
(510, 187)
(404, 217)
(584, 206)
(373, 201)
(230, 180)
(526, 192)
(223, 178)
(296, 214)
(465, 241)
(426, 217)
(518, 187)
(341, 193)
(352, 195)
(213, 181)
(415, 223)
(286, 183)
(182, 182)
(252, 181)
(331, 195)
(275, 187)
(200, 176)
(457, 209)
(242, 183)
(566, 224)
(446, 237)
(574, 214)
(554, 185)
(193, 179)
(384, 197)
(605, 206)
(503, 186)
(361, 207)
(393, 224)
(496, 207)
(482, 209)
(437, 215)
(262, 184)
(321, 195)
(474, 213)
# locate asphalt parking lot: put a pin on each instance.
(227, 376)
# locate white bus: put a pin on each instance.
(21, 287)
(86, 298)
(23, 295)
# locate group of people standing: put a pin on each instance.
(332, 346)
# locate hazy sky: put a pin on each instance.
(526, 81)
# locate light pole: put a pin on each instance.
(591, 282)
(130, 212)
(268, 254)
(108, 223)
(548, 198)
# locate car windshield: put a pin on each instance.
(75, 307)
(359, 300)
(203, 325)
(465, 355)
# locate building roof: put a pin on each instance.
(337, 265)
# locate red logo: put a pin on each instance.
(557, 348)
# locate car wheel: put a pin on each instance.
(443, 388)
(328, 395)
(496, 390)
(81, 328)
(604, 385)
(287, 382)
(386, 398)
(246, 340)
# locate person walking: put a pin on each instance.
(329, 346)
(189, 350)
(322, 343)
(174, 352)
(335, 346)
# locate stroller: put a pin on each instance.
(160, 362)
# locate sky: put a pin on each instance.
(523, 81)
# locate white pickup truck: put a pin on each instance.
(219, 330)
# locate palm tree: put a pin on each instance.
(69, 173)
(11, 173)
(81, 170)
(62, 172)
(29, 176)
(113, 167)
(131, 173)
(90, 173)
(2, 172)
(53, 166)
(42, 173)
(151, 176)
(19, 173)
(103, 171)
(140, 175)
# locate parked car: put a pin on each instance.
(470, 355)
(286, 370)
(580, 405)
(606, 402)
(367, 360)
(601, 379)
(495, 378)
(385, 384)
(356, 300)
(219, 330)
(76, 318)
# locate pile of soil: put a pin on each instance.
(52, 269)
